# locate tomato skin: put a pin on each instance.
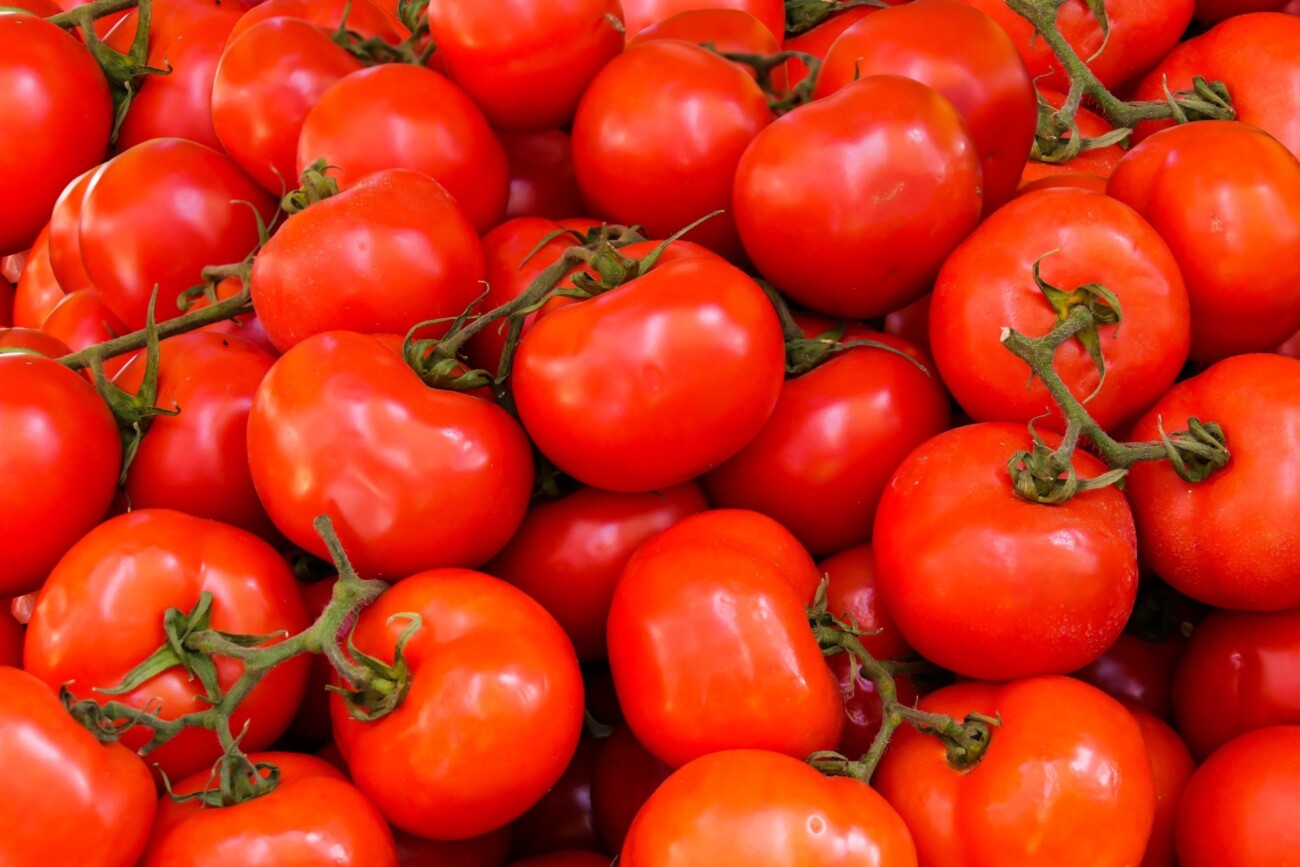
(489, 850)
(706, 813)
(640, 14)
(100, 613)
(30, 338)
(60, 456)
(562, 819)
(81, 320)
(447, 476)
(526, 64)
(1238, 808)
(157, 215)
(658, 135)
(363, 17)
(987, 284)
(1138, 672)
(877, 249)
(1244, 553)
(962, 562)
(627, 774)
(654, 382)
(727, 30)
(1064, 179)
(1171, 767)
(488, 660)
(543, 180)
(1066, 761)
(568, 553)
(401, 116)
(52, 83)
(977, 70)
(38, 291)
(818, 40)
(64, 235)
(67, 786)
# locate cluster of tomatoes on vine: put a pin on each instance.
(483, 432)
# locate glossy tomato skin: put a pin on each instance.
(1238, 809)
(388, 253)
(412, 477)
(100, 614)
(526, 64)
(991, 586)
(864, 233)
(1171, 767)
(67, 786)
(652, 383)
(64, 235)
(1244, 553)
(60, 456)
(821, 462)
(710, 647)
(562, 819)
(640, 14)
(568, 553)
(977, 69)
(60, 115)
(1079, 237)
(543, 180)
(29, 338)
(487, 660)
(37, 291)
(401, 116)
(1138, 672)
(1067, 761)
(657, 138)
(764, 809)
(157, 215)
(627, 774)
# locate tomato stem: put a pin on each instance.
(72, 19)
(803, 15)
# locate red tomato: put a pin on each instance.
(1097, 161)
(706, 814)
(640, 14)
(489, 850)
(412, 477)
(654, 382)
(30, 338)
(64, 235)
(59, 114)
(562, 819)
(626, 776)
(1079, 237)
(59, 456)
(730, 31)
(11, 638)
(493, 715)
(72, 800)
(1066, 762)
(543, 180)
(526, 64)
(912, 323)
(38, 291)
(1244, 553)
(81, 320)
(991, 586)
(977, 69)
(1076, 181)
(247, 327)
(314, 816)
(363, 17)
(568, 553)
(710, 646)
(851, 596)
(159, 213)
(1238, 810)
(100, 614)
(1138, 672)
(1171, 767)
(865, 233)
(818, 40)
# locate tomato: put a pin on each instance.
(821, 462)
(710, 648)
(363, 17)
(1171, 767)
(543, 180)
(159, 213)
(819, 39)
(562, 819)
(403, 116)
(1138, 672)
(313, 816)
(526, 64)
(1065, 179)
(81, 320)
(865, 233)
(29, 338)
(64, 236)
(991, 586)
(489, 850)
(1097, 161)
(730, 31)
(247, 327)
(977, 69)
(654, 382)
(1238, 810)
(626, 776)
(11, 639)
(72, 800)
(38, 291)
(640, 14)
(59, 114)
(1067, 761)
(412, 477)
(60, 456)
(569, 858)
(706, 814)
(1079, 237)
(493, 714)
(568, 553)
(100, 614)
(1243, 553)
(657, 138)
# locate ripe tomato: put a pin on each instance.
(72, 800)
(38, 291)
(81, 320)
(1067, 761)
(100, 614)
(64, 236)
(1171, 767)
(627, 774)
(1079, 237)
(1238, 810)
(543, 180)
(705, 814)
(991, 586)
(1243, 553)
(562, 819)
(865, 233)
(1064, 179)
(1138, 672)
(493, 715)
(29, 338)
(654, 382)
(60, 456)
(363, 17)
(730, 31)
(640, 14)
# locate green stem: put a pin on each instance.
(73, 18)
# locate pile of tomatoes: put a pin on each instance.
(468, 433)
